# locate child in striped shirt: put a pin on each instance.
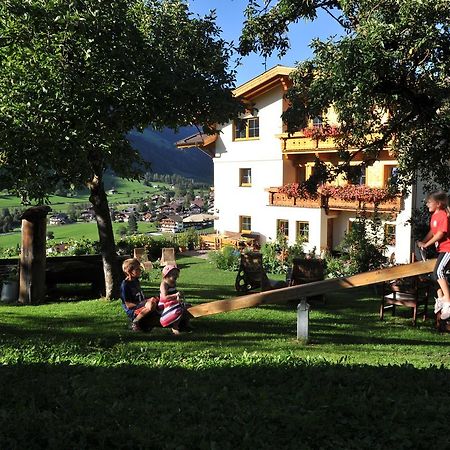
(174, 312)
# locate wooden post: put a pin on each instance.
(32, 256)
(303, 320)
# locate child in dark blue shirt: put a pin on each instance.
(141, 311)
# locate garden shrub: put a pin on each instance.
(76, 247)
(278, 255)
(228, 258)
(361, 250)
(189, 239)
(10, 252)
(154, 246)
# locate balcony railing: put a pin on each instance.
(277, 198)
(302, 144)
(391, 205)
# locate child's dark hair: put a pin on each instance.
(442, 198)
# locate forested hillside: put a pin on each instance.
(158, 147)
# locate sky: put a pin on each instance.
(230, 17)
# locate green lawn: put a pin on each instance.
(73, 375)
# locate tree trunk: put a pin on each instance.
(106, 236)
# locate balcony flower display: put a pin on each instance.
(359, 193)
(321, 132)
(349, 193)
(297, 190)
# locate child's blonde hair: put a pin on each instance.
(442, 198)
(129, 264)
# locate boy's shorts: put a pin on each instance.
(142, 305)
(138, 309)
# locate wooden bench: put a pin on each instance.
(79, 269)
(306, 271)
(410, 292)
(168, 257)
(251, 275)
(210, 242)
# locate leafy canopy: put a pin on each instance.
(387, 76)
(77, 75)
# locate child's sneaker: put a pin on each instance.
(445, 311)
(186, 328)
(135, 326)
(437, 305)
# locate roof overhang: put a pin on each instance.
(205, 142)
(276, 76)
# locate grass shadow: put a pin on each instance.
(285, 404)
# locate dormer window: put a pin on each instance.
(246, 128)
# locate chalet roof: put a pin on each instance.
(278, 75)
(266, 81)
(198, 202)
(200, 140)
(174, 217)
(200, 218)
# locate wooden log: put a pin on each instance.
(285, 295)
(32, 257)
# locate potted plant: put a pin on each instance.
(10, 288)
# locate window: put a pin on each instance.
(357, 175)
(283, 227)
(245, 224)
(362, 176)
(245, 177)
(390, 175)
(309, 170)
(246, 128)
(303, 231)
(317, 122)
(349, 226)
(301, 173)
(389, 233)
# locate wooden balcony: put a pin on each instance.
(277, 198)
(392, 205)
(302, 144)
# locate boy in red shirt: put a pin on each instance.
(438, 235)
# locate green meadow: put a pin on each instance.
(77, 231)
(127, 192)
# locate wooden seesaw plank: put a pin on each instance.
(287, 294)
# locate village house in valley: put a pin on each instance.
(255, 157)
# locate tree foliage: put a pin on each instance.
(76, 75)
(387, 76)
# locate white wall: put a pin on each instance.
(263, 156)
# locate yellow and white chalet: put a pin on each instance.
(254, 157)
